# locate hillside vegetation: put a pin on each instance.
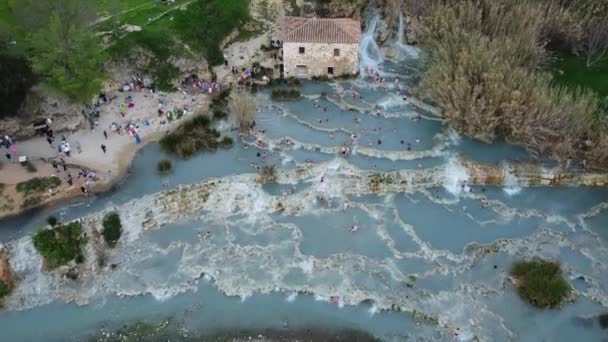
(66, 44)
(486, 71)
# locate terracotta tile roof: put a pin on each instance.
(320, 30)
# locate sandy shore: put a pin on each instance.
(111, 166)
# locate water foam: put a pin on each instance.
(456, 177)
(291, 297)
(405, 50)
(511, 183)
(370, 55)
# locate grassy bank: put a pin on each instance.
(198, 30)
(571, 71)
(187, 28)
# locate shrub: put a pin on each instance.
(219, 102)
(541, 283)
(603, 319)
(243, 106)
(193, 136)
(219, 115)
(38, 185)
(164, 166)
(52, 221)
(31, 201)
(285, 94)
(61, 244)
(485, 74)
(4, 289)
(227, 141)
(112, 229)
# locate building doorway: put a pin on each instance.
(330, 70)
(302, 70)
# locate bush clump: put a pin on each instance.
(541, 283)
(38, 185)
(193, 136)
(52, 221)
(285, 94)
(112, 229)
(164, 166)
(61, 244)
(30, 202)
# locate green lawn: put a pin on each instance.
(571, 70)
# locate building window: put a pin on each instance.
(302, 50)
(330, 70)
(337, 52)
(302, 70)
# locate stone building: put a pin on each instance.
(320, 46)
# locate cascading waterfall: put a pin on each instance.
(455, 177)
(512, 186)
(405, 51)
(370, 55)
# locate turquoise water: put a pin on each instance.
(416, 250)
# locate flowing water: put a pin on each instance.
(414, 257)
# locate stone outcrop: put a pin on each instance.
(41, 104)
(533, 175)
(6, 274)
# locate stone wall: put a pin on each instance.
(318, 57)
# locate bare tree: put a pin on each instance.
(243, 105)
(595, 43)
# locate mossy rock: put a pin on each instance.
(541, 283)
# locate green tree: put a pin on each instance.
(62, 46)
(17, 78)
(69, 59)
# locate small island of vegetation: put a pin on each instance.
(112, 229)
(541, 283)
(193, 136)
(60, 244)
